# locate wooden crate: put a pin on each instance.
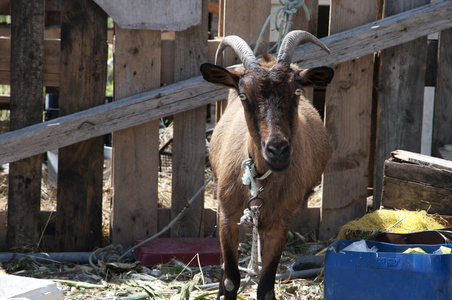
(417, 182)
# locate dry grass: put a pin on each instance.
(169, 281)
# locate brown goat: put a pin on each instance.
(268, 120)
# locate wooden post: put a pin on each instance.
(189, 150)
(245, 19)
(309, 23)
(80, 166)
(348, 107)
(442, 122)
(234, 19)
(135, 150)
(306, 219)
(400, 96)
(27, 60)
(303, 22)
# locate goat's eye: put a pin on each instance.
(242, 96)
(298, 92)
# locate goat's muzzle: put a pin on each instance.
(277, 154)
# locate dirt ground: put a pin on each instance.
(130, 280)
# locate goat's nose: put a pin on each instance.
(278, 147)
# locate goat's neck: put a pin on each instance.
(255, 154)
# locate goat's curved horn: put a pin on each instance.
(241, 48)
(291, 41)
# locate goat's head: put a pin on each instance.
(269, 92)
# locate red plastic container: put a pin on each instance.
(163, 250)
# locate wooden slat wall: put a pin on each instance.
(400, 96)
(139, 109)
(348, 107)
(189, 129)
(142, 107)
(135, 150)
(24, 191)
(80, 166)
(442, 127)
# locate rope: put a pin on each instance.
(251, 214)
(250, 219)
(255, 248)
(250, 175)
(283, 21)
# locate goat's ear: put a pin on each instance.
(316, 77)
(220, 76)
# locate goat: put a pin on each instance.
(268, 120)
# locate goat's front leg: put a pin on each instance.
(229, 239)
(273, 241)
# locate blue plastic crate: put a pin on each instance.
(388, 273)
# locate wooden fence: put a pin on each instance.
(373, 106)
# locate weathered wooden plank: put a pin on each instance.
(189, 134)
(421, 159)
(24, 189)
(111, 117)
(47, 220)
(236, 21)
(400, 97)
(44, 219)
(348, 109)
(52, 58)
(442, 122)
(418, 173)
(382, 34)
(135, 149)
(402, 194)
(195, 92)
(170, 15)
(80, 166)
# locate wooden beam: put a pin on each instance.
(195, 92)
(111, 117)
